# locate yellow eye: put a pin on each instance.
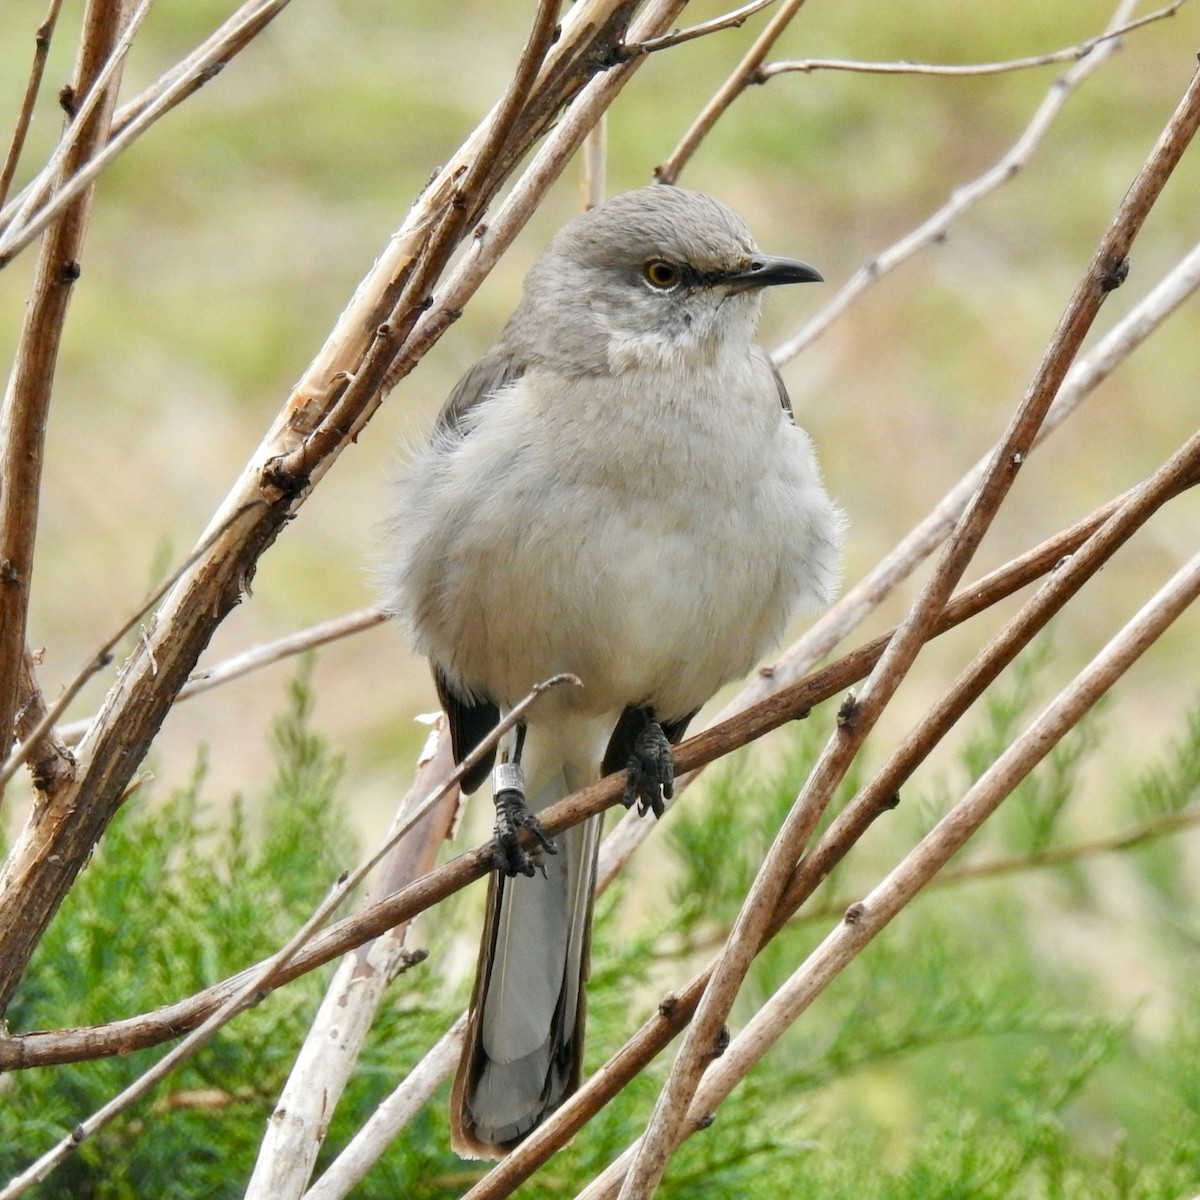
(659, 273)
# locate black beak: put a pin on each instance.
(765, 270)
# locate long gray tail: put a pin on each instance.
(524, 1048)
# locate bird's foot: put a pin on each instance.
(512, 815)
(650, 772)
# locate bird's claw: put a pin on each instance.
(513, 815)
(650, 772)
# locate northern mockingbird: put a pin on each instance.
(616, 489)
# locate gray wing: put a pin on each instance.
(785, 401)
(498, 367)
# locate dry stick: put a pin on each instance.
(120, 1037)
(45, 32)
(257, 657)
(742, 75)
(81, 113)
(303, 1112)
(592, 178)
(1181, 471)
(868, 917)
(1012, 864)
(731, 20)
(40, 870)
(255, 982)
(199, 67)
(933, 230)
(27, 399)
(370, 1143)
(1107, 271)
(41, 728)
(1128, 512)
(1067, 54)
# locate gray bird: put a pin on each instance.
(616, 490)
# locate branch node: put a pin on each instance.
(1115, 274)
(721, 1044)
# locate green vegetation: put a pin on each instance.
(968, 1053)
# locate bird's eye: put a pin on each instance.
(660, 274)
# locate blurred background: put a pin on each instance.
(224, 245)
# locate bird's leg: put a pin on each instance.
(650, 772)
(513, 815)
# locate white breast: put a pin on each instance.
(655, 546)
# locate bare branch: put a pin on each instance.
(45, 32)
(1067, 54)
(743, 74)
(200, 66)
(257, 657)
(868, 917)
(83, 106)
(731, 20)
(376, 1135)
(298, 1125)
(41, 728)
(50, 762)
(27, 398)
(934, 229)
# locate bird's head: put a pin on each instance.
(655, 276)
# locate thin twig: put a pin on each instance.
(52, 174)
(1106, 271)
(42, 728)
(369, 1144)
(41, 51)
(730, 20)
(742, 76)
(257, 657)
(1138, 834)
(592, 181)
(865, 919)
(904, 67)
(933, 230)
(199, 67)
(23, 419)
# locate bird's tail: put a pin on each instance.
(524, 1046)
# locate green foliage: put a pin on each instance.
(958, 1057)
